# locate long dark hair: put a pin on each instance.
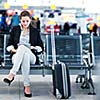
(25, 13)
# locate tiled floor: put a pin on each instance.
(42, 89)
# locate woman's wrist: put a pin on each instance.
(13, 50)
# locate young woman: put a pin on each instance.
(23, 43)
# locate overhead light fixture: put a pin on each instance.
(6, 5)
(25, 6)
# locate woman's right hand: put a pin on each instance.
(13, 50)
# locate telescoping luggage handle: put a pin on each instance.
(53, 46)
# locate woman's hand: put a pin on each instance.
(13, 50)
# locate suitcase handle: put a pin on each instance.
(53, 46)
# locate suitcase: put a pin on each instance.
(61, 81)
(61, 78)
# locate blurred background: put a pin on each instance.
(78, 14)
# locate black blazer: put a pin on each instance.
(35, 39)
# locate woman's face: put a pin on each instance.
(25, 21)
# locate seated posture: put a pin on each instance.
(23, 43)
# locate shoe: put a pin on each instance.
(27, 95)
(6, 80)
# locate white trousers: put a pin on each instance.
(23, 58)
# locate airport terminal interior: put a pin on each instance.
(75, 26)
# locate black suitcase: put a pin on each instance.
(61, 78)
(61, 81)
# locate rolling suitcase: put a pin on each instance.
(61, 77)
(61, 81)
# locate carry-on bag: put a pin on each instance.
(61, 81)
(61, 77)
